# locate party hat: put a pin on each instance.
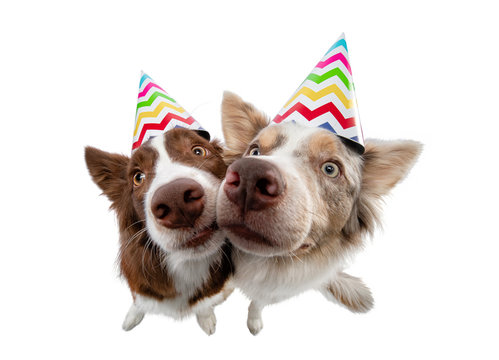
(326, 98)
(158, 112)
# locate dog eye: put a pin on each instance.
(138, 178)
(254, 152)
(199, 151)
(330, 169)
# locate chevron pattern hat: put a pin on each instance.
(157, 113)
(326, 98)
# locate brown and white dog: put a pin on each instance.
(173, 256)
(298, 204)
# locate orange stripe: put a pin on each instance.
(314, 96)
(155, 113)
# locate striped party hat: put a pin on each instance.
(326, 98)
(158, 112)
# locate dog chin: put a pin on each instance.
(254, 243)
(191, 244)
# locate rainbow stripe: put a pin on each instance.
(158, 112)
(326, 98)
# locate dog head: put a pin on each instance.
(299, 191)
(166, 191)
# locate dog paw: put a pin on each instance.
(350, 292)
(207, 323)
(255, 325)
(363, 302)
(132, 319)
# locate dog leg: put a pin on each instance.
(132, 318)
(207, 320)
(350, 292)
(255, 323)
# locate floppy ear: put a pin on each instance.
(386, 163)
(108, 171)
(241, 122)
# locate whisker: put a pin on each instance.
(296, 256)
(126, 244)
(135, 223)
(144, 250)
(316, 215)
(205, 160)
(224, 254)
(133, 237)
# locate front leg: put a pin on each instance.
(132, 318)
(348, 291)
(207, 320)
(255, 323)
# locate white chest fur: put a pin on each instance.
(268, 282)
(188, 276)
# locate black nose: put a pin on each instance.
(253, 184)
(178, 203)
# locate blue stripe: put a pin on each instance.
(327, 126)
(339, 43)
(143, 78)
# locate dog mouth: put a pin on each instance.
(245, 233)
(201, 237)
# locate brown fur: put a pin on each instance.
(141, 261)
(218, 276)
(270, 140)
(179, 144)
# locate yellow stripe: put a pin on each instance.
(312, 95)
(155, 113)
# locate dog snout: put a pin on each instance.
(253, 184)
(178, 204)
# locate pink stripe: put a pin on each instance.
(333, 58)
(150, 85)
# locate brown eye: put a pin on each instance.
(138, 178)
(330, 169)
(199, 151)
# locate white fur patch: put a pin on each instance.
(169, 239)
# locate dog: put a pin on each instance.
(173, 256)
(297, 202)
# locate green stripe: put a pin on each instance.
(334, 72)
(152, 98)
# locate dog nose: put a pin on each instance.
(253, 184)
(178, 204)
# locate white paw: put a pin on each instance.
(255, 325)
(132, 319)
(208, 323)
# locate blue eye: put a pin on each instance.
(330, 169)
(254, 152)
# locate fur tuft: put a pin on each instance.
(386, 163)
(241, 122)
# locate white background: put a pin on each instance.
(426, 70)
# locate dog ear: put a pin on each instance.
(385, 164)
(108, 171)
(241, 122)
